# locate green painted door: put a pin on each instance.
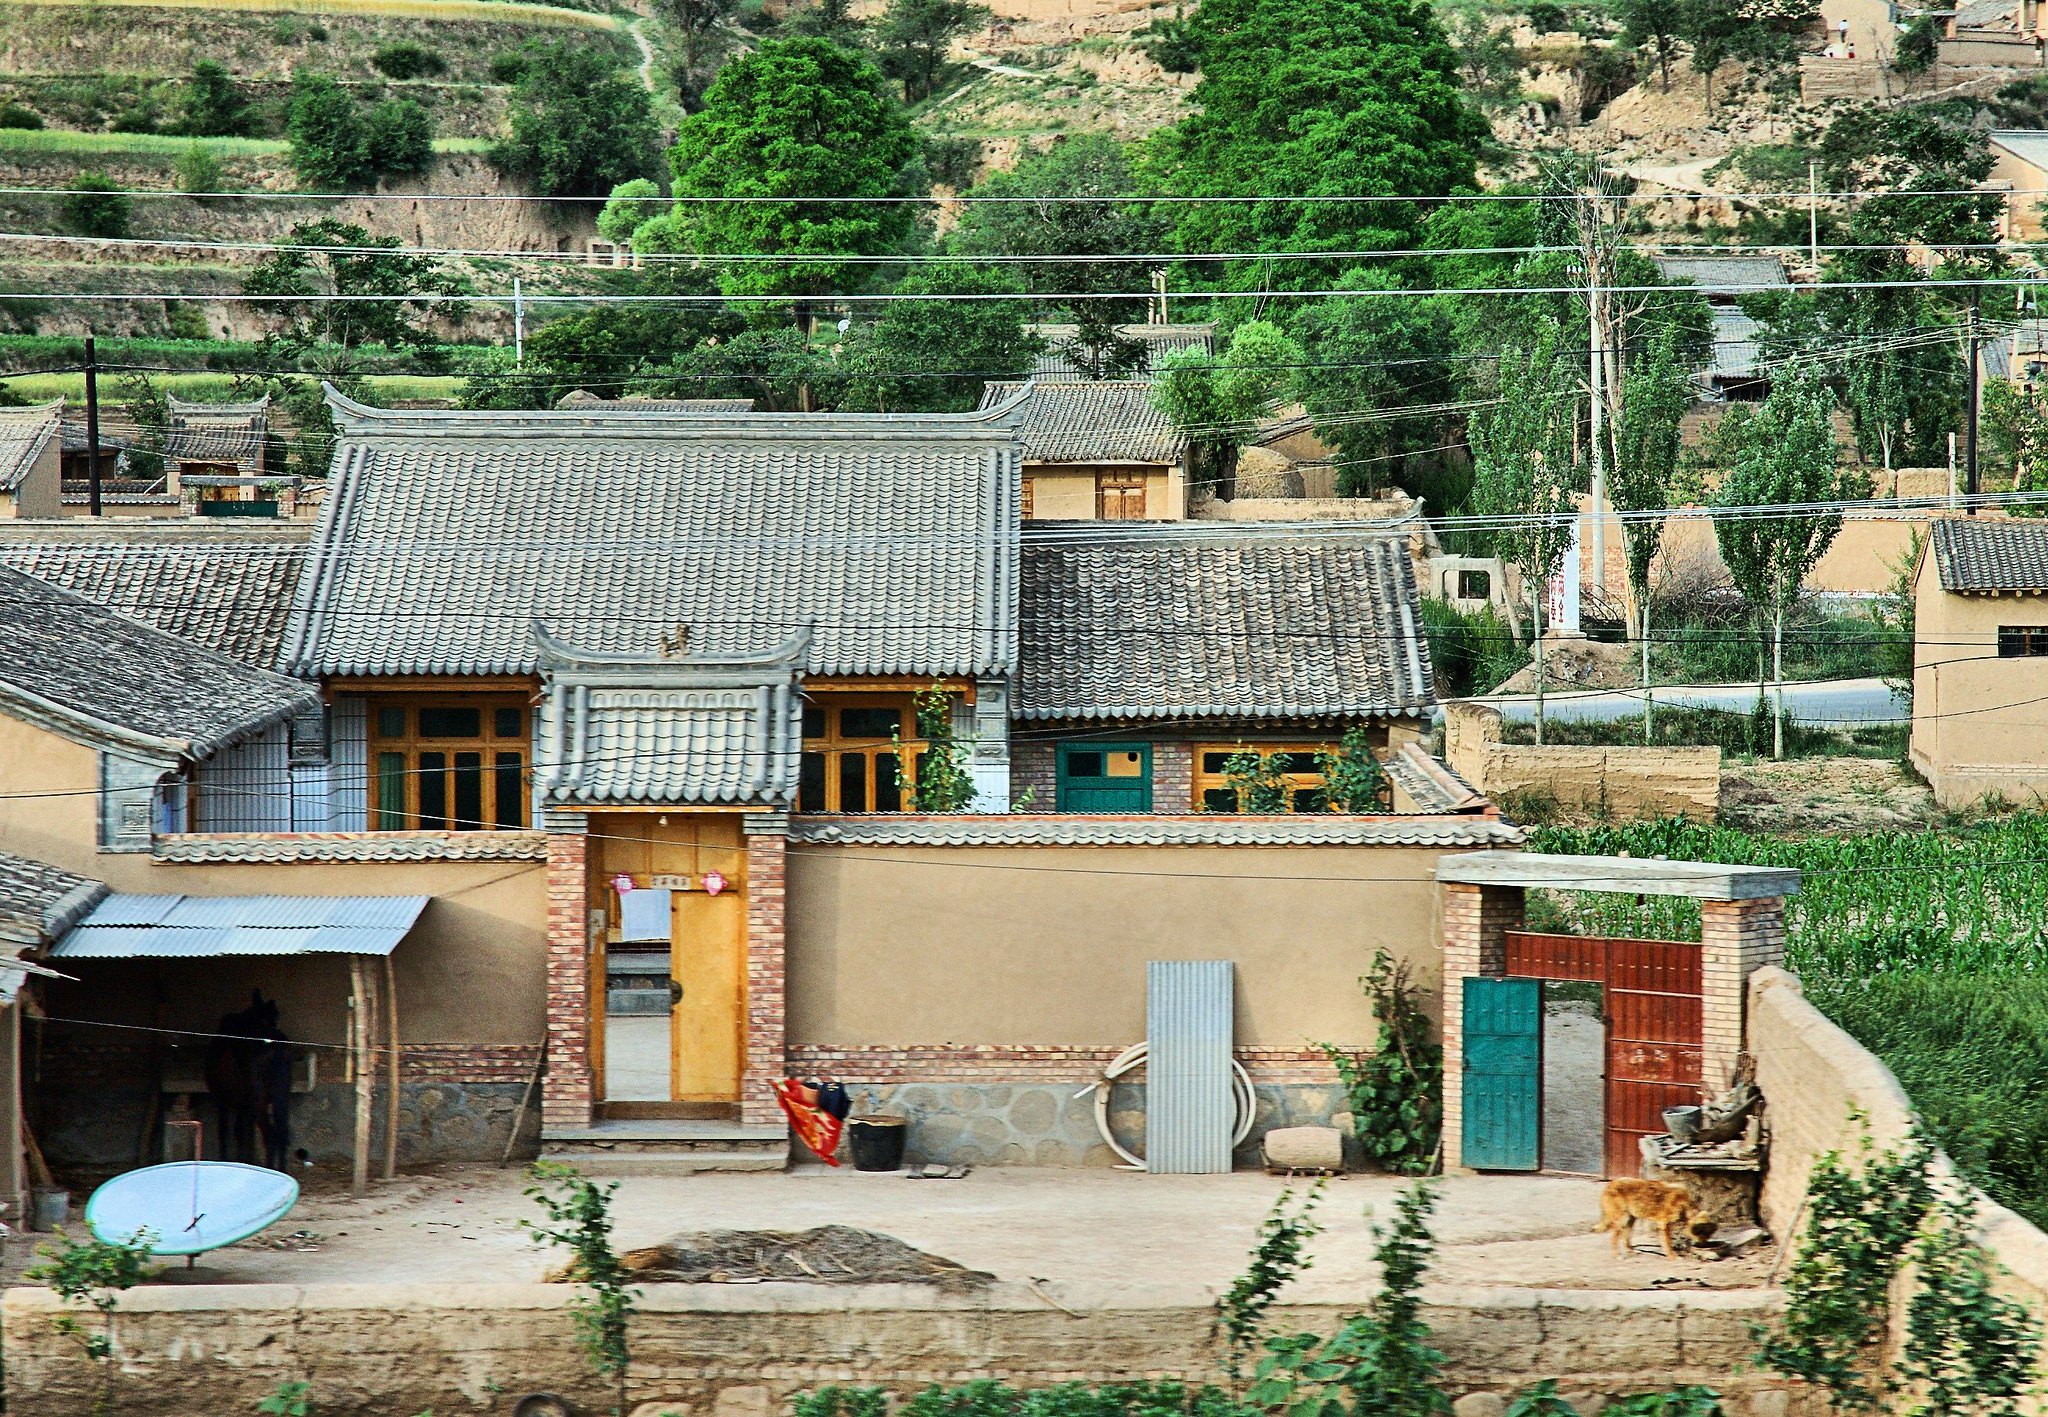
(1503, 1074)
(1105, 777)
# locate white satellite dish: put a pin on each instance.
(190, 1207)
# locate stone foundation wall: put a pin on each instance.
(729, 1351)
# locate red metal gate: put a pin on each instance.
(1653, 1013)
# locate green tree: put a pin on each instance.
(328, 258)
(1488, 61)
(932, 355)
(580, 123)
(1786, 457)
(199, 169)
(212, 106)
(801, 119)
(781, 368)
(696, 25)
(912, 37)
(1642, 471)
(398, 138)
(631, 206)
(1215, 402)
(324, 126)
(1648, 24)
(1525, 466)
(406, 59)
(1353, 97)
(1073, 200)
(825, 19)
(97, 206)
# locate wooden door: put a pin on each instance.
(707, 1026)
(1503, 1082)
(1655, 1017)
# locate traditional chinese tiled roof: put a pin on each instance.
(24, 434)
(38, 901)
(1080, 422)
(446, 535)
(635, 403)
(217, 432)
(1057, 362)
(1727, 276)
(1265, 621)
(1221, 829)
(1982, 554)
(80, 669)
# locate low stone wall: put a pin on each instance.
(1619, 782)
(729, 1351)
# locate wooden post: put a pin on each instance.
(391, 1043)
(359, 1005)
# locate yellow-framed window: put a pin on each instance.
(449, 763)
(851, 755)
(1213, 790)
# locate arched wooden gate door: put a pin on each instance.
(1654, 1015)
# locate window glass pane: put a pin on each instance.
(433, 790)
(451, 722)
(390, 722)
(888, 792)
(508, 722)
(469, 791)
(390, 792)
(1214, 762)
(511, 792)
(2008, 641)
(853, 782)
(1307, 799)
(814, 721)
(1219, 799)
(870, 722)
(810, 784)
(1301, 762)
(1084, 764)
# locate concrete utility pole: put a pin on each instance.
(1596, 384)
(518, 325)
(92, 428)
(1813, 215)
(1970, 413)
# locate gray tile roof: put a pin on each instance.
(1986, 554)
(1726, 275)
(634, 403)
(1429, 783)
(228, 593)
(24, 433)
(38, 901)
(1987, 14)
(445, 535)
(82, 669)
(1080, 829)
(1278, 620)
(2027, 144)
(217, 432)
(77, 439)
(1055, 362)
(678, 732)
(376, 846)
(1081, 422)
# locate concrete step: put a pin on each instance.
(671, 1147)
(596, 1162)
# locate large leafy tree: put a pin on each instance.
(808, 123)
(1642, 473)
(913, 36)
(1216, 402)
(932, 354)
(581, 122)
(387, 297)
(1073, 201)
(1346, 98)
(697, 27)
(1785, 457)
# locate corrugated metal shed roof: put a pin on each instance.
(24, 433)
(210, 927)
(894, 534)
(1078, 422)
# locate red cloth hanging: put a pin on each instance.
(817, 1129)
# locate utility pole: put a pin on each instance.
(1813, 215)
(1970, 414)
(1595, 384)
(518, 325)
(92, 428)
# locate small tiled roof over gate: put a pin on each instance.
(1110, 422)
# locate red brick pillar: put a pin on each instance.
(1476, 922)
(566, 1092)
(767, 1057)
(1737, 938)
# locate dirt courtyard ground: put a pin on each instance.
(1174, 1238)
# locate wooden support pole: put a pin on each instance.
(391, 1045)
(359, 1006)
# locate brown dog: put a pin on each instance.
(1661, 1203)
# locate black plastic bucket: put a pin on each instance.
(878, 1142)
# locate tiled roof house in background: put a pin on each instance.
(31, 460)
(640, 403)
(1060, 360)
(1097, 450)
(217, 437)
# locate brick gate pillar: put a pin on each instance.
(566, 1091)
(767, 1057)
(1476, 922)
(1737, 938)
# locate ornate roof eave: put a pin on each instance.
(560, 661)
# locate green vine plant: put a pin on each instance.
(941, 781)
(1353, 780)
(288, 1399)
(94, 1272)
(1279, 1256)
(579, 1221)
(1259, 781)
(1397, 1090)
(1692, 1400)
(1966, 1349)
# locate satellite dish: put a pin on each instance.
(190, 1207)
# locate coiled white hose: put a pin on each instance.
(1133, 1057)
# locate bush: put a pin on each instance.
(398, 137)
(13, 115)
(509, 66)
(199, 170)
(213, 106)
(336, 144)
(97, 206)
(407, 60)
(1470, 652)
(1737, 733)
(581, 125)
(952, 161)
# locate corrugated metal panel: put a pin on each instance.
(247, 788)
(348, 782)
(203, 927)
(1189, 1024)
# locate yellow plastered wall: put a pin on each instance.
(1066, 492)
(1980, 723)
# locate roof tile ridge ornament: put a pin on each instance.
(999, 423)
(556, 656)
(34, 412)
(175, 405)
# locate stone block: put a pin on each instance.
(1480, 1404)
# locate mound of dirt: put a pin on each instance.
(1579, 664)
(829, 1254)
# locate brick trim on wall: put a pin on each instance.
(467, 1063)
(767, 977)
(567, 1091)
(1023, 1062)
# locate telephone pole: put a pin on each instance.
(92, 428)
(1970, 413)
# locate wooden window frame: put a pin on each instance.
(835, 747)
(1120, 485)
(2022, 641)
(488, 744)
(1205, 782)
(1027, 499)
